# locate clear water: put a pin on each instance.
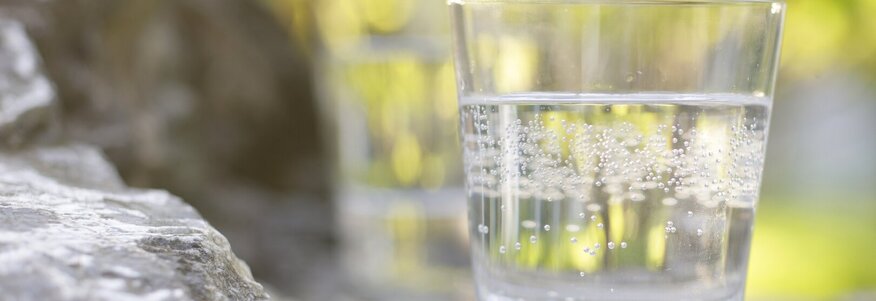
(612, 197)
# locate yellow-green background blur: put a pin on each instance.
(815, 236)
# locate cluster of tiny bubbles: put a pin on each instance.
(670, 227)
(698, 161)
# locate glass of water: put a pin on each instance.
(613, 149)
(386, 89)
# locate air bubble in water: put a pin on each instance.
(610, 245)
(623, 245)
(483, 229)
(594, 207)
(582, 274)
(593, 218)
(596, 246)
(501, 249)
(670, 227)
(517, 246)
(533, 239)
(573, 240)
(586, 249)
(699, 232)
(690, 214)
(599, 225)
(547, 227)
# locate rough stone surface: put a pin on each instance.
(69, 227)
(70, 230)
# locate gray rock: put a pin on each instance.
(27, 97)
(70, 230)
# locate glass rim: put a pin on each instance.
(625, 2)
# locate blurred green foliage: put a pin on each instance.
(828, 34)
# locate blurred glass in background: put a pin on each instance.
(214, 100)
(386, 92)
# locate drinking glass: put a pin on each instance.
(386, 90)
(613, 149)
